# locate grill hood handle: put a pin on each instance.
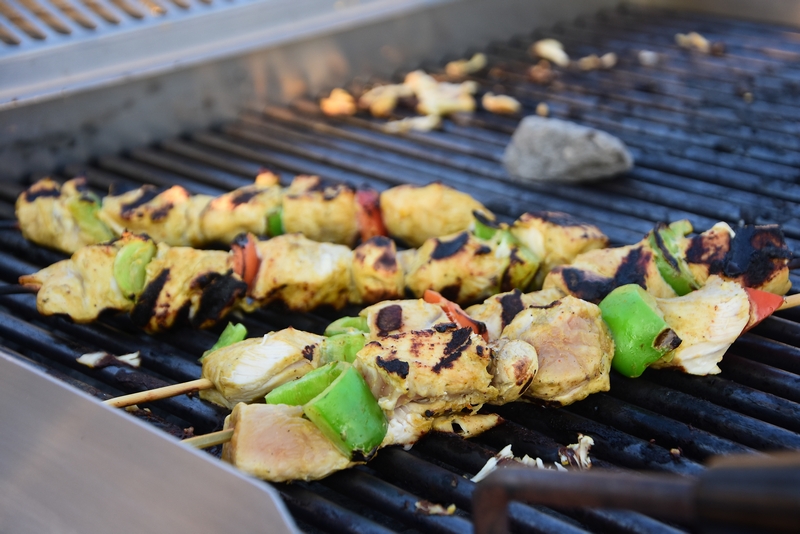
(740, 493)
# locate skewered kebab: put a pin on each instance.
(71, 216)
(165, 285)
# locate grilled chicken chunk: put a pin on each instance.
(708, 321)
(574, 348)
(180, 280)
(82, 286)
(462, 268)
(755, 256)
(320, 210)
(45, 217)
(556, 238)
(499, 310)
(248, 370)
(242, 210)
(376, 271)
(395, 316)
(171, 216)
(275, 442)
(302, 273)
(415, 214)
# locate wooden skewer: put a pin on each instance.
(209, 440)
(160, 393)
(790, 302)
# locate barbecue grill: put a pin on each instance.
(714, 138)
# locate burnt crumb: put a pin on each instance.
(146, 194)
(594, 288)
(145, 306)
(444, 327)
(41, 191)
(398, 367)
(244, 196)
(483, 250)
(445, 249)
(452, 351)
(389, 318)
(511, 305)
(308, 352)
(219, 293)
(162, 212)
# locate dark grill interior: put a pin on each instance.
(703, 152)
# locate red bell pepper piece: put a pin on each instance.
(455, 313)
(762, 305)
(245, 258)
(368, 209)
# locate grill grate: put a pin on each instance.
(702, 152)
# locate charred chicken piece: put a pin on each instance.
(275, 442)
(396, 316)
(377, 274)
(248, 370)
(182, 282)
(320, 210)
(415, 214)
(242, 210)
(498, 311)
(574, 348)
(61, 217)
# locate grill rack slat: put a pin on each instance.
(708, 151)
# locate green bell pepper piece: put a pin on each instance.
(300, 391)
(130, 266)
(523, 263)
(347, 325)
(85, 208)
(275, 222)
(484, 227)
(233, 333)
(343, 347)
(348, 415)
(641, 336)
(669, 258)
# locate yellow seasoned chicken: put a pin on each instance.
(248, 370)
(243, 210)
(49, 214)
(708, 321)
(395, 316)
(574, 348)
(376, 271)
(183, 280)
(415, 214)
(499, 310)
(302, 273)
(321, 211)
(556, 238)
(82, 286)
(275, 442)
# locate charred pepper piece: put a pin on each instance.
(641, 335)
(85, 208)
(347, 414)
(669, 257)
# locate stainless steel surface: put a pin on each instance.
(70, 464)
(59, 119)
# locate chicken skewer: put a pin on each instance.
(159, 285)
(69, 216)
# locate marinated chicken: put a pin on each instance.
(320, 210)
(574, 348)
(50, 214)
(754, 256)
(181, 281)
(396, 316)
(499, 310)
(275, 442)
(415, 214)
(248, 370)
(242, 210)
(708, 321)
(376, 272)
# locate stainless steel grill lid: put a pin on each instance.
(704, 151)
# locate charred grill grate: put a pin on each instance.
(703, 152)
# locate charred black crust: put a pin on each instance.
(752, 254)
(557, 217)
(483, 250)
(219, 293)
(162, 212)
(389, 318)
(445, 249)
(244, 196)
(484, 220)
(479, 350)
(460, 340)
(41, 191)
(146, 194)
(594, 288)
(444, 327)
(308, 352)
(398, 367)
(145, 306)
(662, 247)
(511, 305)
(451, 292)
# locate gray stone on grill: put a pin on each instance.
(543, 149)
